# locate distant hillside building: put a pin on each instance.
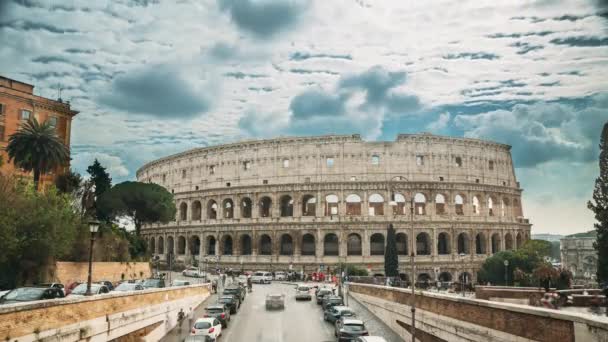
(19, 104)
(579, 256)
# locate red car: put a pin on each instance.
(71, 287)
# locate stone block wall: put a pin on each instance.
(68, 272)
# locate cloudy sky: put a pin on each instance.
(153, 77)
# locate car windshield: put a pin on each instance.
(225, 299)
(347, 313)
(202, 325)
(214, 310)
(259, 274)
(25, 294)
(303, 288)
(82, 289)
(354, 327)
(152, 283)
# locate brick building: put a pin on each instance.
(18, 104)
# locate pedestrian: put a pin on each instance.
(190, 317)
(180, 319)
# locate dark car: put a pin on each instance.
(322, 293)
(235, 290)
(334, 313)
(219, 311)
(28, 294)
(153, 283)
(347, 329)
(199, 338)
(54, 285)
(108, 284)
(231, 302)
(331, 301)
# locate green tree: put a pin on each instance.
(391, 261)
(36, 148)
(101, 183)
(68, 182)
(353, 270)
(599, 206)
(555, 251)
(141, 202)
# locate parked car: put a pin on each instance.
(331, 301)
(154, 283)
(303, 293)
(236, 290)
(108, 284)
(54, 285)
(275, 301)
(2, 293)
(261, 277)
(322, 293)
(199, 338)
(347, 329)
(28, 294)
(71, 287)
(280, 275)
(126, 287)
(370, 339)
(219, 311)
(193, 272)
(96, 289)
(207, 326)
(231, 301)
(180, 282)
(334, 313)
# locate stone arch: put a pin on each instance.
(353, 205)
(181, 245)
(211, 210)
(183, 211)
(495, 243)
(440, 204)
(170, 245)
(475, 205)
(518, 240)
(423, 244)
(246, 207)
(480, 243)
(463, 243)
(443, 243)
(265, 245)
(265, 207)
(376, 244)
(459, 204)
(309, 205)
(398, 204)
(161, 245)
(376, 205)
(286, 206)
(211, 245)
(152, 245)
(420, 204)
(286, 246)
(508, 241)
(445, 277)
(401, 241)
(227, 246)
(308, 245)
(424, 278)
(504, 206)
(196, 210)
(194, 245)
(246, 245)
(491, 203)
(331, 245)
(353, 244)
(331, 205)
(228, 208)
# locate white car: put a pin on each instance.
(303, 292)
(280, 275)
(193, 272)
(261, 277)
(207, 326)
(180, 282)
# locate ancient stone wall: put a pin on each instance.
(68, 272)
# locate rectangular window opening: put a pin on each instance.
(330, 162)
(419, 160)
(26, 114)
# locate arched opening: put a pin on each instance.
(463, 243)
(170, 245)
(508, 241)
(495, 243)
(309, 205)
(265, 245)
(353, 205)
(353, 244)
(194, 245)
(459, 205)
(286, 206)
(308, 245)
(152, 246)
(424, 279)
(211, 245)
(445, 277)
(518, 241)
(376, 244)
(183, 211)
(443, 244)
(246, 207)
(439, 204)
(420, 204)
(211, 210)
(181, 245)
(265, 206)
(161, 245)
(331, 205)
(197, 210)
(504, 205)
(480, 244)
(465, 278)
(490, 206)
(246, 248)
(376, 205)
(286, 245)
(401, 240)
(399, 204)
(228, 207)
(423, 245)
(227, 245)
(475, 205)
(330, 244)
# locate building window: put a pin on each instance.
(458, 161)
(52, 121)
(419, 160)
(353, 178)
(375, 159)
(265, 181)
(184, 174)
(26, 114)
(1, 133)
(247, 165)
(164, 178)
(1, 108)
(330, 162)
(212, 169)
(440, 179)
(285, 163)
(228, 184)
(491, 164)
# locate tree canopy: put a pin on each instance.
(391, 261)
(100, 182)
(599, 206)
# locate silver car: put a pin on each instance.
(303, 293)
(275, 301)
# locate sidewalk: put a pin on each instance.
(177, 335)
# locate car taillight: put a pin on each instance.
(223, 315)
(365, 334)
(206, 315)
(211, 330)
(193, 331)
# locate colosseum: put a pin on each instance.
(312, 203)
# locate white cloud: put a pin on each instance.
(440, 124)
(113, 164)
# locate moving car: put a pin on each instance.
(275, 301)
(28, 294)
(193, 272)
(207, 326)
(280, 275)
(303, 292)
(261, 277)
(322, 293)
(231, 301)
(370, 339)
(219, 311)
(347, 329)
(126, 287)
(81, 290)
(154, 283)
(334, 313)
(331, 301)
(199, 338)
(237, 291)
(180, 282)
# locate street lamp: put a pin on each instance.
(93, 228)
(506, 272)
(463, 275)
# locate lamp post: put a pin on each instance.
(93, 227)
(393, 203)
(463, 276)
(506, 272)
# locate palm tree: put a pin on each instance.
(36, 147)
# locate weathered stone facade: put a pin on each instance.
(311, 201)
(579, 256)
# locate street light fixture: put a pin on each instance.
(463, 275)
(93, 228)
